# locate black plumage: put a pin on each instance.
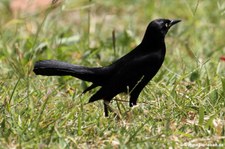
(129, 74)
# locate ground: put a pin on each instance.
(183, 106)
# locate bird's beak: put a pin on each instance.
(172, 22)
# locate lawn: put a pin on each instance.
(182, 107)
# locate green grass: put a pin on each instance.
(183, 105)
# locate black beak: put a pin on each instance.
(172, 22)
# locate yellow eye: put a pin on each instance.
(166, 25)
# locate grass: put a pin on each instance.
(183, 106)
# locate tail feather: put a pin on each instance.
(96, 75)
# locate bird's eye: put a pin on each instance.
(166, 25)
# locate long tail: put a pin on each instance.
(97, 75)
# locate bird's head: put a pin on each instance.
(159, 28)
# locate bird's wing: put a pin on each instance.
(135, 69)
(128, 75)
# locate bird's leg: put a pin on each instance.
(106, 104)
(108, 108)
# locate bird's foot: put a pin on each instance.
(108, 108)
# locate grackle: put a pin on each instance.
(129, 74)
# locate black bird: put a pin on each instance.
(129, 74)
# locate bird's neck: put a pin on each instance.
(153, 43)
